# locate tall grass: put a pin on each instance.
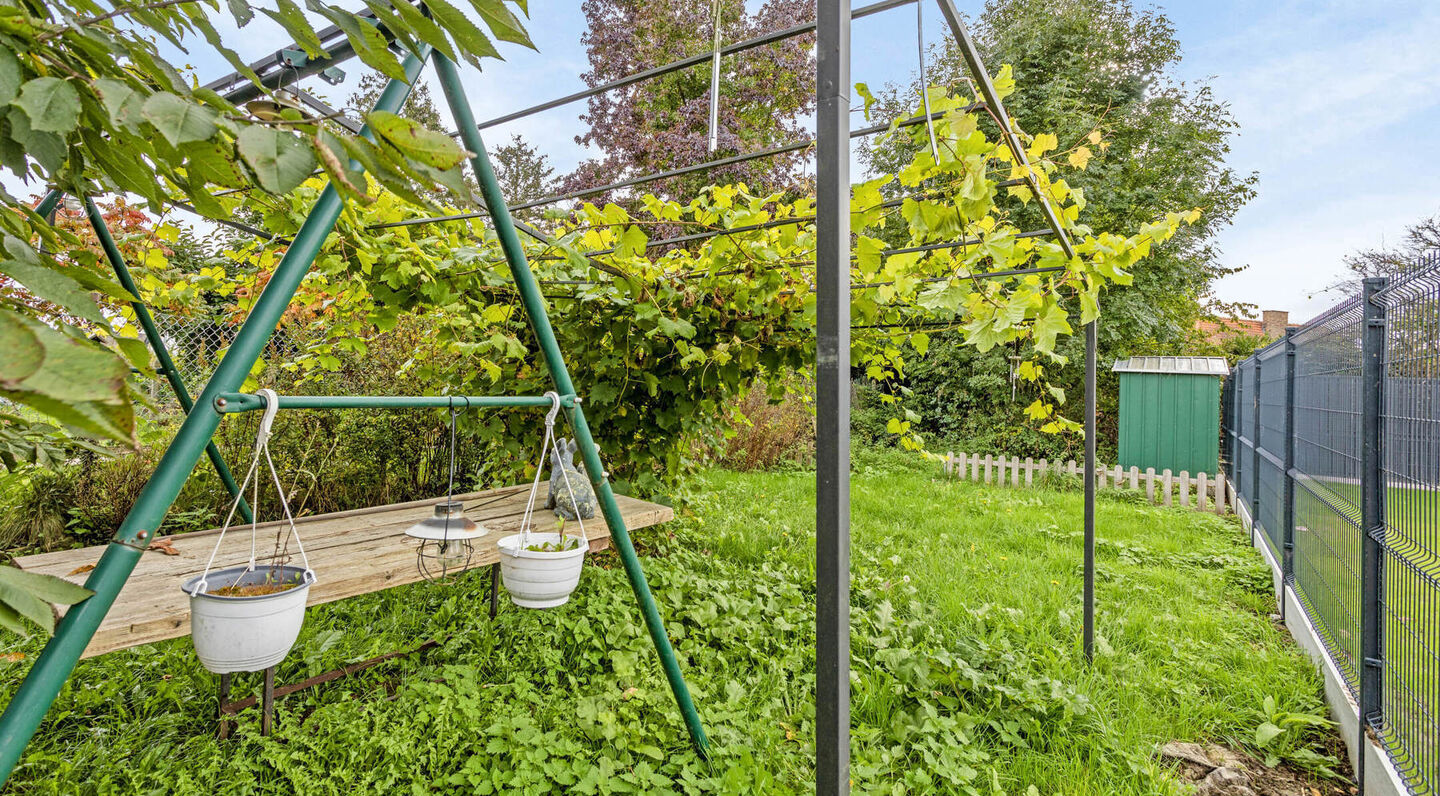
(968, 676)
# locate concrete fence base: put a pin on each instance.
(1381, 778)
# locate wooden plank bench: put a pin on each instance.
(352, 552)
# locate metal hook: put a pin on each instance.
(267, 420)
(554, 408)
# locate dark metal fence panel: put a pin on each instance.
(1269, 500)
(1244, 414)
(1321, 503)
(1327, 479)
(1409, 460)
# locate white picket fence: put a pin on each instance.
(1203, 491)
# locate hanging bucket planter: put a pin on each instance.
(236, 633)
(542, 569)
(246, 618)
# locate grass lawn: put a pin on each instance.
(968, 676)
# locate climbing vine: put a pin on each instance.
(664, 337)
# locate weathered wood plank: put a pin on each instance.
(353, 553)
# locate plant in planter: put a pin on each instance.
(542, 569)
(246, 618)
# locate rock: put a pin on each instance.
(1225, 781)
(1190, 752)
(1220, 756)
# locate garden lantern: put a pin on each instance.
(445, 540)
(445, 536)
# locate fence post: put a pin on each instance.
(1287, 559)
(1255, 453)
(1372, 513)
(1202, 485)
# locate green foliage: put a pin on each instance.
(28, 596)
(1100, 76)
(88, 105)
(664, 343)
(1284, 734)
(968, 673)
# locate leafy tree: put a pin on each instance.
(663, 123)
(524, 173)
(1100, 75)
(419, 106)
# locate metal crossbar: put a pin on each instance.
(655, 176)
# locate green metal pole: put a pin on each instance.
(48, 204)
(55, 663)
(157, 344)
(232, 402)
(540, 323)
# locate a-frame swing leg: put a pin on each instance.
(55, 663)
(540, 323)
(46, 207)
(162, 353)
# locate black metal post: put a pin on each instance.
(1255, 451)
(267, 702)
(1091, 344)
(832, 398)
(223, 729)
(1372, 513)
(494, 589)
(1287, 561)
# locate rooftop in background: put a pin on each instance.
(1271, 324)
(1188, 366)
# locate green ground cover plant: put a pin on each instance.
(968, 676)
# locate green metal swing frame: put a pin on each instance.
(220, 396)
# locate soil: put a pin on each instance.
(1221, 771)
(254, 590)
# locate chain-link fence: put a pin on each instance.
(196, 343)
(1332, 442)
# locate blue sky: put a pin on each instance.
(1338, 103)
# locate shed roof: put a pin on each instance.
(1189, 366)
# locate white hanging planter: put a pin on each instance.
(539, 578)
(247, 634)
(250, 632)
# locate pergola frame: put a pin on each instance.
(832, 221)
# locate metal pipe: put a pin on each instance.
(235, 402)
(832, 398)
(47, 204)
(1091, 344)
(55, 663)
(162, 353)
(1372, 515)
(659, 175)
(1255, 452)
(534, 305)
(715, 78)
(684, 63)
(992, 99)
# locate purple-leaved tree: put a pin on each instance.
(664, 123)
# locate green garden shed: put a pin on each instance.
(1170, 413)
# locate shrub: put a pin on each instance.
(770, 430)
